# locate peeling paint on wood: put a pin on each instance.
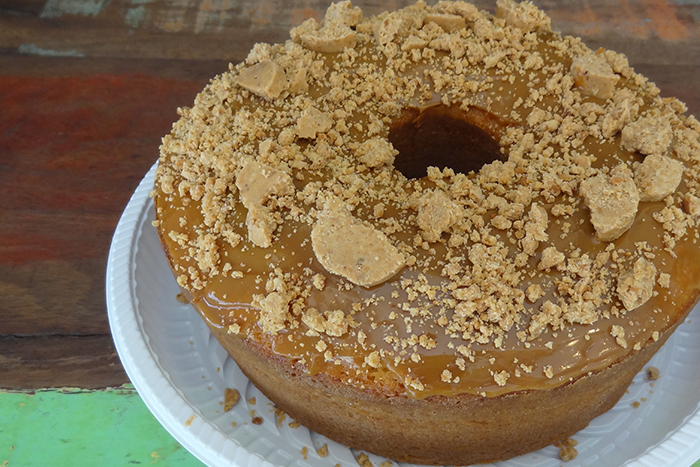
(57, 8)
(31, 49)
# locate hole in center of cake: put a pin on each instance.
(445, 136)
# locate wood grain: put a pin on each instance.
(73, 150)
(87, 89)
(62, 360)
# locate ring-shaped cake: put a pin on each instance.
(437, 234)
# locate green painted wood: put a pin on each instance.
(71, 427)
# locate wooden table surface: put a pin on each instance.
(88, 88)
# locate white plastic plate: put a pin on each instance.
(181, 372)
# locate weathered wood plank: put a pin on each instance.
(59, 361)
(222, 30)
(37, 66)
(72, 151)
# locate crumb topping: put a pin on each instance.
(658, 177)
(360, 253)
(524, 16)
(334, 34)
(278, 197)
(312, 122)
(613, 201)
(594, 76)
(256, 184)
(636, 286)
(266, 79)
(648, 135)
(376, 152)
(436, 214)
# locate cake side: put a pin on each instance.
(457, 430)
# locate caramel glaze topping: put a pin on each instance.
(309, 202)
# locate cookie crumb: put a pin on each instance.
(691, 205)
(534, 292)
(567, 452)
(266, 79)
(231, 397)
(436, 214)
(648, 135)
(363, 460)
(653, 373)
(376, 152)
(334, 34)
(636, 286)
(501, 377)
(280, 416)
(347, 247)
(594, 76)
(550, 258)
(323, 450)
(618, 332)
(658, 177)
(613, 202)
(548, 371)
(312, 122)
(524, 15)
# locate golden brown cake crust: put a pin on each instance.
(314, 203)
